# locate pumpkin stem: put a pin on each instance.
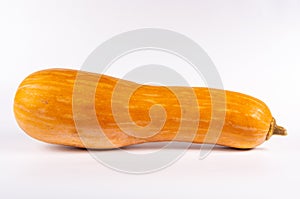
(275, 130)
(279, 130)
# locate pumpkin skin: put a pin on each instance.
(55, 106)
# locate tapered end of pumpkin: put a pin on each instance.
(276, 130)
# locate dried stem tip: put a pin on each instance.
(275, 130)
(279, 130)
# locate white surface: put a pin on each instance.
(255, 46)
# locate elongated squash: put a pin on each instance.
(52, 106)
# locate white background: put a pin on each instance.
(255, 46)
